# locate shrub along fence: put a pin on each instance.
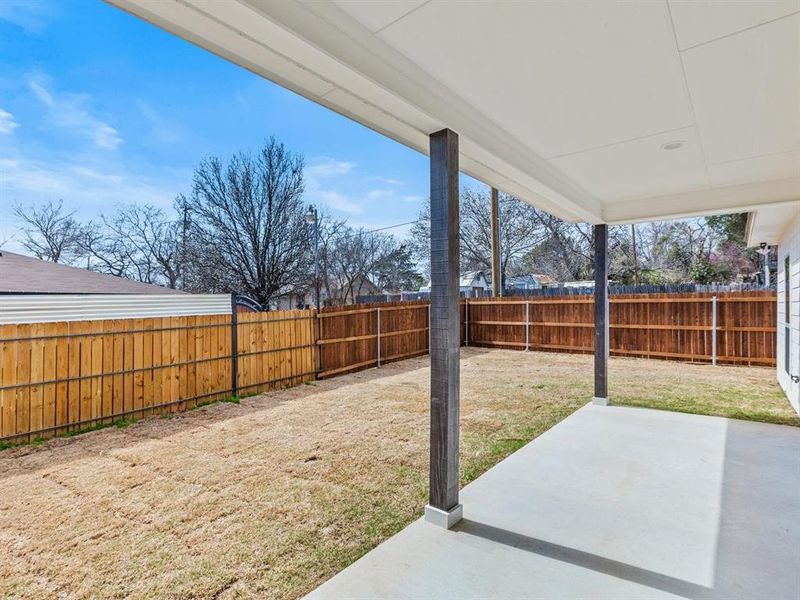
(66, 376)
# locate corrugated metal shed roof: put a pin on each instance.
(49, 308)
(20, 274)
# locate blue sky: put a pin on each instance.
(100, 108)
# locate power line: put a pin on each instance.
(393, 226)
(358, 233)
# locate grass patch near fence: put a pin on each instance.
(747, 393)
(119, 423)
(272, 496)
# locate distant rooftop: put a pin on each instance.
(20, 274)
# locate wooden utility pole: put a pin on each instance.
(635, 257)
(443, 508)
(497, 283)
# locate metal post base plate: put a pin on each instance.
(444, 518)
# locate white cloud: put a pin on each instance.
(70, 111)
(90, 190)
(30, 15)
(319, 188)
(7, 123)
(378, 194)
(339, 185)
(324, 167)
(338, 201)
(161, 129)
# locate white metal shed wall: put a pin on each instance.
(35, 308)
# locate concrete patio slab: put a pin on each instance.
(611, 503)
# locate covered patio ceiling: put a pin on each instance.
(601, 112)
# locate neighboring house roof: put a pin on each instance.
(290, 290)
(543, 279)
(361, 286)
(578, 284)
(471, 278)
(530, 279)
(20, 274)
(522, 282)
(466, 280)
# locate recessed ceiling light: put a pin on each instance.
(672, 145)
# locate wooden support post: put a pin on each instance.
(497, 283)
(234, 348)
(600, 314)
(443, 508)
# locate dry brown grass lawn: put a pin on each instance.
(271, 497)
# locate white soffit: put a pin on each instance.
(562, 77)
(746, 91)
(771, 224)
(564, 104)
(632, 169)
(701, 21)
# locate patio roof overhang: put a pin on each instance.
(576, 108)
(770, 223)
(595, 112)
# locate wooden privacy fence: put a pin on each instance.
(730, 327)
(367, 335)
(60, 377)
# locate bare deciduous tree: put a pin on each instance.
(136, 242)
(152, 243)
(357, 261)
(50, 232)
(102, 253)
(248, 215)
(519, 229)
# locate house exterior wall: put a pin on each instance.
(789, 246)
(523, 283)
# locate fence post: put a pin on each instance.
(429, 326)
(714, 330)
(234, 348)
(527, 326)
(466, 320)
(379, 336)
(317, 347)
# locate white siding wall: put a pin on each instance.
(36, 308)
(789, 245)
